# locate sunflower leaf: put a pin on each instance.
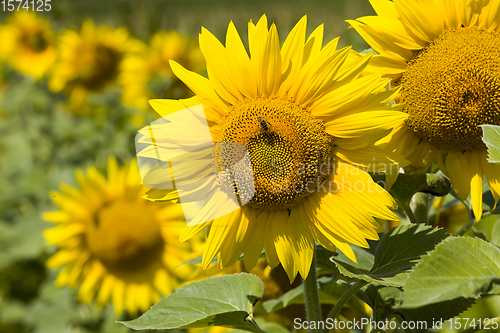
(491, 137)
(435, 314)
(386, 302)
(225, 301)
(458, 267)
(398, 251)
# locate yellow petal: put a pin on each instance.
(476, 183)
(292, 53)
(302, 243)
(459, 173)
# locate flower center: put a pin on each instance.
(289, 149)
(103, 66)
(452, 87)
(35, 41)
(124, 239)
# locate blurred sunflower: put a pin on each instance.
(28, 44)
(113, 243)
(148, 75)
(89, 61)
(445, 55)
(296, 107)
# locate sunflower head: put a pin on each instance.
(447, 64)
(114, 244)
(286, 146)
(148, 74)
(28, 44)
(90, 60)
(304, 117)
(452, 86)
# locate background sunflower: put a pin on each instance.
(447, 63)
(115, 245)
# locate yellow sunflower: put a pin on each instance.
(89, 61)
(305, 117)
(148, 75)
(114, 244)
(28, 44)
(445, 55)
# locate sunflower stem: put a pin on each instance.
(420, 203)
(340, 304)
(311, 297)
(466, 227)
(408, 211)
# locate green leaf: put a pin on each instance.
(365, 259)
(495, 233)
(385, 301)
(491, 137)
(434, 312)
(397, 252)
(363, 256)
(381, 299)
(458, 267)
(225, 301)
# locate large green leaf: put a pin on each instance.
(491, 137)
(434, 312)
(397, 252)
(495, 233)
(386, 302)
(225, 301)
(458, 267)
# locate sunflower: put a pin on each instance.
(148, 75)
(89, 61)
(28, 44)
(445, 56)
(114, 244)
(305, 116)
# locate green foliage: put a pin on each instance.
(225, 301)
(495, 234)
(458, 267)
(491, 137)
(397, 252)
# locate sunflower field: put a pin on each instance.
(249, 166)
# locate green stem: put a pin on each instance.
(311, 297)
(348, 294)
(420, 203)
(408, 211)
(466, 227)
